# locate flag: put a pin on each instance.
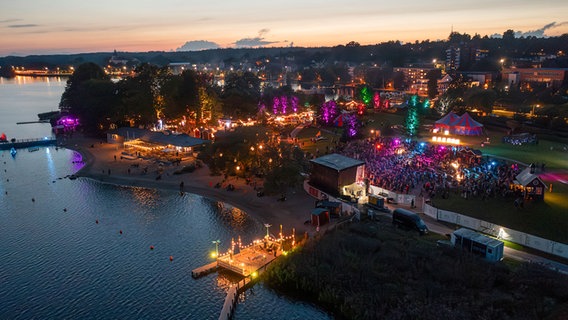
(318, 134)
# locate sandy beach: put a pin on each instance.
(103, 163)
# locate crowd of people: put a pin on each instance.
(431, 170)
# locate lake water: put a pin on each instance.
(80, 249)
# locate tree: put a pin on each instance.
(92, 97)
(241, 94)
(365, 94)
(412, 121)
(71, 98)
(433, 76)
(482, 99)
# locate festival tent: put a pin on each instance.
(467, 126)
(341, 119)
(447, 121)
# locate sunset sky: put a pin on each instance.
(64, 26)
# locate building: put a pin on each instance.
(530, 184)
(550, 77)
(444, 84)
(147, 140)
(453, 59)
(415, 78)
(338, 175)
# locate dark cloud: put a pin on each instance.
(539, 33)
(29, 25)
(256, 41)
(253, 42)
(10, 20)
(198, 45)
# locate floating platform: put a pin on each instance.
(250, 259)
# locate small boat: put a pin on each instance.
(13, 152)
(32, 149)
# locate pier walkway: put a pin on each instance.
(204, 270)
(249, 262)
(27, 143)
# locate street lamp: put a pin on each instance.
(216, 253)
(534, 105)
(267, 226)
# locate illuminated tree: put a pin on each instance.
(377, 100)
(275, 105)
(284, 104)
(366, 95)
(412, 118)
(328, 112)
(294, 102)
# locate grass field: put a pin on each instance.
(548, 219)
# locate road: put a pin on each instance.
(440, 228)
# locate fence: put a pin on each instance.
(399, 198)
(346, 208)
(525, 239)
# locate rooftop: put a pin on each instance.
(337, 162)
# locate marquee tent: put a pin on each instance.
(342, 119)
(467, 126)
(447, 121)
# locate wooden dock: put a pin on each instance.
(204, 270)
(250, 262)
(233, 294)
(250, 259)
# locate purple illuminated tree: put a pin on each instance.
(294, 101)
(261, 107)
(328, 112)
(351, 128)
(284, 104)
(276, 105)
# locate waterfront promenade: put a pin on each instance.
(101, 165)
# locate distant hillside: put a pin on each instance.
(549, 52)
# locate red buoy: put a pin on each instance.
(151, 247)
(120, 232)
(171, 258)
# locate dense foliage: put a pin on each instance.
(370, 270)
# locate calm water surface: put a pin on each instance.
(57, 262)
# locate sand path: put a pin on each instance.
(101, 165)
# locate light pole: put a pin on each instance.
(216, 242)
(267, 226)
(534, 105)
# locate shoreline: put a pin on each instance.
(101, 165)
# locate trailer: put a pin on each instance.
(489, 248)
(377, 202)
